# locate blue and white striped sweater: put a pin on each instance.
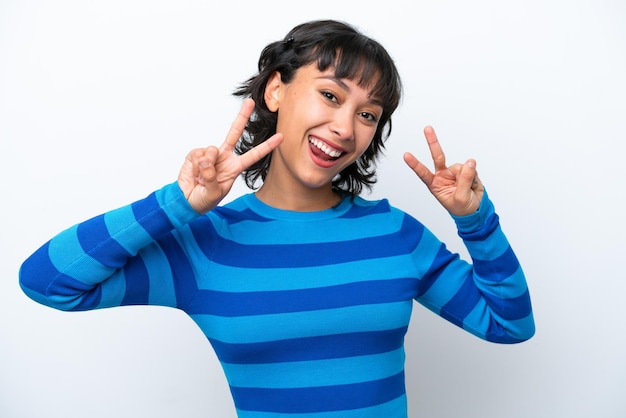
(307, 311)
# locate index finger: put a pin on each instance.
(436, 152)
(239, 124)
(255, 154)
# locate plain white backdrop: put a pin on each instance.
(101, 100)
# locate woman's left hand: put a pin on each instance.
(456, 187)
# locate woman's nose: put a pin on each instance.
(343, 125)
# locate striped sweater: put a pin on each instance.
(306, 311)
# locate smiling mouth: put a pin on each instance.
(324, 151)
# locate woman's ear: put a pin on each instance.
(272, 92)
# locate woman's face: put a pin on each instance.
(327, 124)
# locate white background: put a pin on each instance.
(101, 100)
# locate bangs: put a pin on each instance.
(363, 61)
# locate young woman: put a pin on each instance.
(303, 288)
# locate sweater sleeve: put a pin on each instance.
(489, 297)
(121, 257)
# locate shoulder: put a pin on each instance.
(382, 207)
(236, 210)
(381, 211)
(360, 206)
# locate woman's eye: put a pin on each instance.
(329, 96)
(369, 116)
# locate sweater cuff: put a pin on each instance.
(474, 222)
(173, 202)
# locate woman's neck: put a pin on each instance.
(299, 200)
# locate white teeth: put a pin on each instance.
(327, 150)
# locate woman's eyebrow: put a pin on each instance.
(344, 86)
(337, 81)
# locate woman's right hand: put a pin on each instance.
(208, 174)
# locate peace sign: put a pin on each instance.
(208, 174)
(456, 187)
